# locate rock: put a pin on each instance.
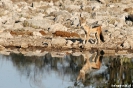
(87, 45)
(36, 33)
(76, 44)
(43, 23)
(129, 23)
(77, 53)
(102, 1)
(18, 26)
(4, 52)
(58, 42)
(52, 9)
(2, 47)
(75, 21)
(57, 27)
(106, 38)
(115, 34)
(56, 54)
(69, 43)
(125, 45)
(34, 53)
(24, 45)
(61, 16)
(109, 51)
(130, 41)
(122, 52)
(6, 35)
(39, 16)
(7, 4)
(71, 8)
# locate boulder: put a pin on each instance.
(75, 21)
(115, 34)
(126, 45)
(2, 47)
(57, 27)
(6, 35)
(43, 23)
(69, 43)
(52, 9)
(36, 33)
(24, 45)
(58, 42)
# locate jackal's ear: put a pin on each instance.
(82, 21)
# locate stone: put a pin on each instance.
(129, 23)
(126, 45)
(58, 41)
(43, 23)
(102, 1)
(75, 21)
(24, 45)
(109, 51)
(2, 47)
(69, 43)
(52, 9)
(18, 26)
(122, 52)
(115, 34)
(36, 33)
(57, 27)
(6, 35)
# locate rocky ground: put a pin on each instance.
(55, 24)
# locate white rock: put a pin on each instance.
(75, 20)
(6, 35)
(72, 7)
(36, 33)
(43, 23)
(18, 26)
(52, 9)
(24, 45)
(126, 45)
(103, 1)
(38, 17)
(57, 27)
(58, 41)
(69, 43)
(77, 53)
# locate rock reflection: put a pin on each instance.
(37, 68)
(120, 71)
(114, 70)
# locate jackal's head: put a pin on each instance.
(82, 21)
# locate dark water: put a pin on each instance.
(19, 71)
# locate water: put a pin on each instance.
(19, 71)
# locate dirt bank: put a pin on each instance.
(56, 24)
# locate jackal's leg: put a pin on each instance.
(84, 42)
(87, 37)
(98, 37)
(96, 64)
(81, 75)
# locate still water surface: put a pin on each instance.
(19, 71)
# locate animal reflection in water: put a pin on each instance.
(89, 65)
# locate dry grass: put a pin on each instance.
(23, 33)
(42, 32)
(65, 34)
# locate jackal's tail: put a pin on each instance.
(101, 37)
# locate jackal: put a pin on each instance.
(88, 66)
(88, 30)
